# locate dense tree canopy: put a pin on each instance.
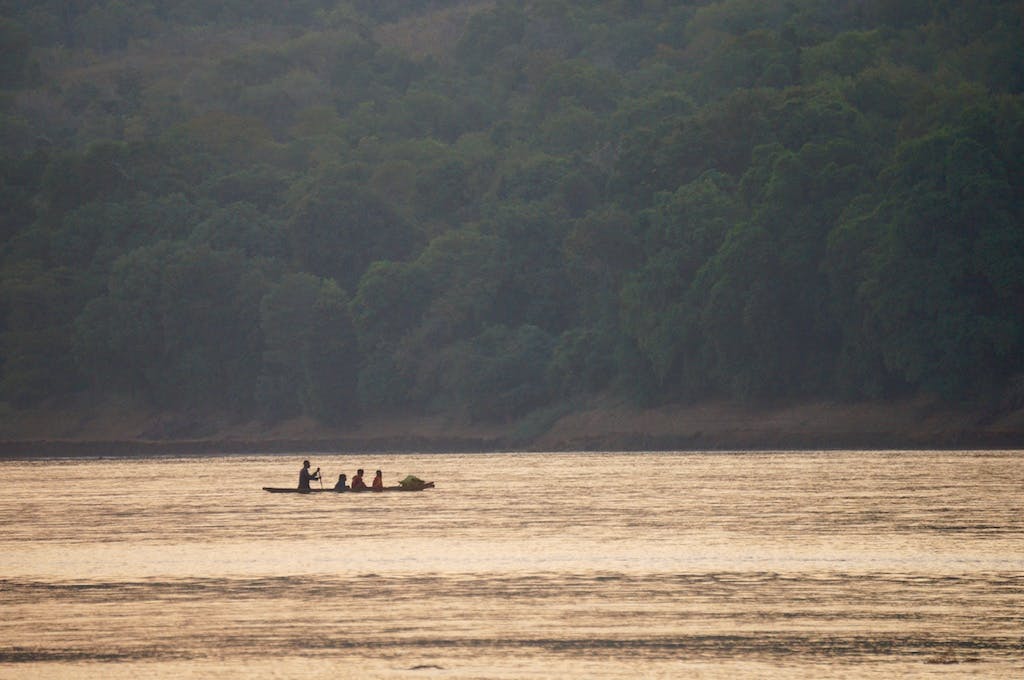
(336, 207)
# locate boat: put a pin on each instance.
(292, 489)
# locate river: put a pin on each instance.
(840, 564)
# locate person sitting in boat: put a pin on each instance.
(357, 482)
(341, 485)
(305, 477)
(378, 481)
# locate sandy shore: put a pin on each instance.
(602, 426)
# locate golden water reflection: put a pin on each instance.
(845, 564)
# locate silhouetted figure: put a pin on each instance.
(378, 481)
(305, 477)
(341, 485)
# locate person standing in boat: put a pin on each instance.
(378, 481)
(305, 477)
(357, 482)
(341, 485)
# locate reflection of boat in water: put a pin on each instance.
(276, 489)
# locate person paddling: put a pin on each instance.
(378, 481)
(341, 485)
(305, 477)
(357, 482)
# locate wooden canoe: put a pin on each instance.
(277, 489)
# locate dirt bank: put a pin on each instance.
(819, 425)
(113, 429)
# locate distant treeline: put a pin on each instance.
(482, 208)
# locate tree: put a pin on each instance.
(111, 25)
(309, 352)
(748, 340)
(332, 360)
(535, 291)
(499, 374)
(581, 82)
(339, 228)
(757, 58)
(242, 227)
(847, 55)
(487, 33)
(405, 314)
(95, 234)
(36, 304)
(15, 48)
(101, 172)
(660, 308)
(600, 251)
(463, 271)
(262, 185)
(178, 324)
(940, 288)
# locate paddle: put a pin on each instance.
(321, 478)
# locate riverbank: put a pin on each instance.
(602, 425)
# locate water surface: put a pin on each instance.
(717, 565)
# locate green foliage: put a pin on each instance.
(749, 342)
(38, 305)
(939, 296)
(756, 58)
(15, 48)
(310, 361)
(177, 324)
(339, 228)
(92, 236)
(736, 16)
(113, 25)
(463, 272)
(488, 33)
(280, 209)
(571, 128)
(599, 252)
(103, 172)
(661, 311)
(537, 290)
(20, 179)
(499, 374)
(242, 227)
(416, 309)
(579, 81)
(387, 303)
(848, 54)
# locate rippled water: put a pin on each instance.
(832, 564)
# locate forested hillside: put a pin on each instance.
(340, 208)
